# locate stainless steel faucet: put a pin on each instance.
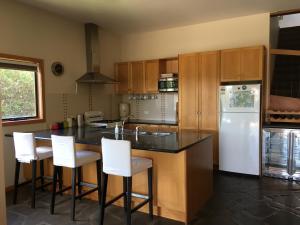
(123, 124)
(137, 128)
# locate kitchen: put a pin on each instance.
(63, 40)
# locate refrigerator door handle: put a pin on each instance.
(291, 153)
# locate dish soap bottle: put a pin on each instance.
(116, 129)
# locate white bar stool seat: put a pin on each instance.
(117, 160)
(65, 155)
(139, 164)
(27, 152)
(44, 152)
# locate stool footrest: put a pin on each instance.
(114, 199)
(90, 185)
(63, 190)
(42, 186)
(140, 205)
(86, 193)
(136, 195)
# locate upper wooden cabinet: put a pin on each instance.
(138, 77)
(252, 63)
(141, 77)
(152, 73)
(242, 64)
(230, 65)
(124, 78)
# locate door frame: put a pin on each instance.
(2, 178)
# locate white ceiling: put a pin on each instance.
(124, 16)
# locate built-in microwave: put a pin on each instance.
(168, 84)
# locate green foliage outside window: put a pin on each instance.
(17, 93)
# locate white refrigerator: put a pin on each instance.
(239, 128)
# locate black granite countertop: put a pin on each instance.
(282, 125)
(172, 143)
(155, 122)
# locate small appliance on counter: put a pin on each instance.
(239, 129)
(281, 152)
(96, 119)
(124, 110)
(168, 82)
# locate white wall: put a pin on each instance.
(31, 32)
(229, 33)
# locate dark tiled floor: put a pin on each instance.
(237, 201)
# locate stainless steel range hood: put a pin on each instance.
(93, 74)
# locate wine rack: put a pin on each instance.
(282, 116)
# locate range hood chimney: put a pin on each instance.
(93, 74)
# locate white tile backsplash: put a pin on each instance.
(161, 108)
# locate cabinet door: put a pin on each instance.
(230, 65)
(188, 91)
(208, 90)
(138, 77)
(252, 63)
(123, 76)
(210, 78)
(152, 74)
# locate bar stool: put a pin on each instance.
(65, 155)
(27, 152)
(117, 160)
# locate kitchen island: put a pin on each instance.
(182, 163)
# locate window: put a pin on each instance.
(21, 90)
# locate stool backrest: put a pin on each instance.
(63, 151)
(24, 146)
(116, 157)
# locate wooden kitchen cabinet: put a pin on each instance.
(152, 73)
(137, 70)
(252, 63)
(209, 89)
(188, 91)
(123, 76)
(242, 64)
(198, 93)
(230, 65)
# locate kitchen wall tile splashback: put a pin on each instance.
(152, 107)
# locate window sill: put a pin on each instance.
(22, 122)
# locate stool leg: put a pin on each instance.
(128, 194)
(42, 174)
(60, 178)
(55, 171)
(125, 193)
(73, 193)
(98, 172)
(79, 180)
(150, 191)
(33, 184)
(103, 197)
(17, 173)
